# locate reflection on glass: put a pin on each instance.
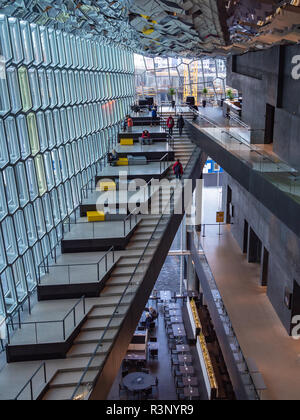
(33, 133)
(24, 88)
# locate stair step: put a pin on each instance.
(98, 324)
(87, 350)
(59, 394)
(94, 336)
(72, 378)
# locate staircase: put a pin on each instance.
(63, 383)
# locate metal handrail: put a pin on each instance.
(62, 321)
(163, 160)
(29, 382)
(121, 298)
(104, 257)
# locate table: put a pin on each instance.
(174, 306)
(191, 392)
(136, 356)
(138, 381)
(178, 330)
(185, 358)
(182, 348)
(175, 312)
(190, 380)
(153, 345)
(193, 294)
(186, 370)
(137, 347)
(176, 320)
(165, 295)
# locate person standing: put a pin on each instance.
(180, 124)
(178, 169)
(129, 124)
(153, 115)
(170, 124)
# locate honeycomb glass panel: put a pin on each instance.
(26, 42)
(5, 44)
(40, 173)
(8, 287)
(30, 224)
(11, 189)
(20, 230)
(9, 238)
(15, 36)
(14, 91)
(33, 133)
(25, 89)
(4, 156)
(23, 136)
(29, 270)
(34, 88)
(36, 44)
(31, 179)
(12, 139)
(22, 186)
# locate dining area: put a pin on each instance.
(182, 360)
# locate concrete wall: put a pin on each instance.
(282, 244)
(266, 77)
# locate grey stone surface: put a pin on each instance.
(282, 244)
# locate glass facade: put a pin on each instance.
(188, 77)
(62, 100)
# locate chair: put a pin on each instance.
(179, 384)
(154, 353)
(174, 361)
(123, 395)
(153, 339)
(125, 372)
(145, 370)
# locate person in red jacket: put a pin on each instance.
(146, 137)
(129, 124)
(170, 124)
(178, 169)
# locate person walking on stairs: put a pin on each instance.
(178, 169)
(180, 124)
(170, 124)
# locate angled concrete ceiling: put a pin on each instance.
(188, 28)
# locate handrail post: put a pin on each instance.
(106, 262)
(36, 333)
(84, 308)
(69, 275)
(203, 235)
(74, 314)
(45, 373)
(31, 390)
(64, 330)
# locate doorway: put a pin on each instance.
(265, 267)
(245, 243)
(269, 124)
(228, 205)
(254, 247)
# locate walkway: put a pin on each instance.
(259, 331)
